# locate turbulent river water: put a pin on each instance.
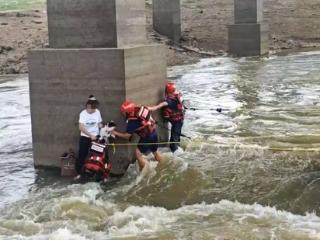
(251, 172)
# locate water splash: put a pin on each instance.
(237, 155)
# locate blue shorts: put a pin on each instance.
(152, 138)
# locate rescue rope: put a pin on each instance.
(114, 145)
(140, 144)
(277, 149)
(236, 147)
(261, 137)
(219, 110)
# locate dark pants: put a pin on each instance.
(176, 128)
(149, 140)
(84, 146)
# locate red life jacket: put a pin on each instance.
(96, 161)
(177, 114)
(147, 123)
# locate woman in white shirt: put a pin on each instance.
(89, 123)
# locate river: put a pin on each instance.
(250, 172)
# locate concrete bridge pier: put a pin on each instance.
(96, 47)
(167, 18)
(249, 36)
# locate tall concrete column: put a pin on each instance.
(249, 35)
(96, 47)
(167, 18)
(97, 23)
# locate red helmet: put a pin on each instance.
(170, 88)
(128, 107)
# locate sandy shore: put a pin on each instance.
(20, 31)
(293, 24)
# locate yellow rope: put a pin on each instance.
(114, 145)
(269, 148)
(142, 144)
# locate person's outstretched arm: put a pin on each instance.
(157, 107)
(126, 136)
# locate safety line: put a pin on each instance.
(144, 144)
(264, 137)
(268, 148)
(224, 146)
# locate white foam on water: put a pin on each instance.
(118, 221)
(147, 172)
(60, 234)
(139, 220)
(244, 214)
(65, 234)
(77, 211)
(147, 219)
(91, 194)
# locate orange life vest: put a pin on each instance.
(96, 161)
(147, 123)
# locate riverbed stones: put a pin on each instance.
(62, 78)
(249, 36)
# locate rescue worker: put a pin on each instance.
(173, 112)
(89, 123)
(140, 122)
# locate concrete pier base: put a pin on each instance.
(249, 35)
(167, 18)
(248, 39)
(62, 79)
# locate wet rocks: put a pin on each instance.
(36, 21)
(11, 70)
(5, 49)
(19, 14)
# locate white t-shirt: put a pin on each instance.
(90, 121)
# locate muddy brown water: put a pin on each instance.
(251, 172)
